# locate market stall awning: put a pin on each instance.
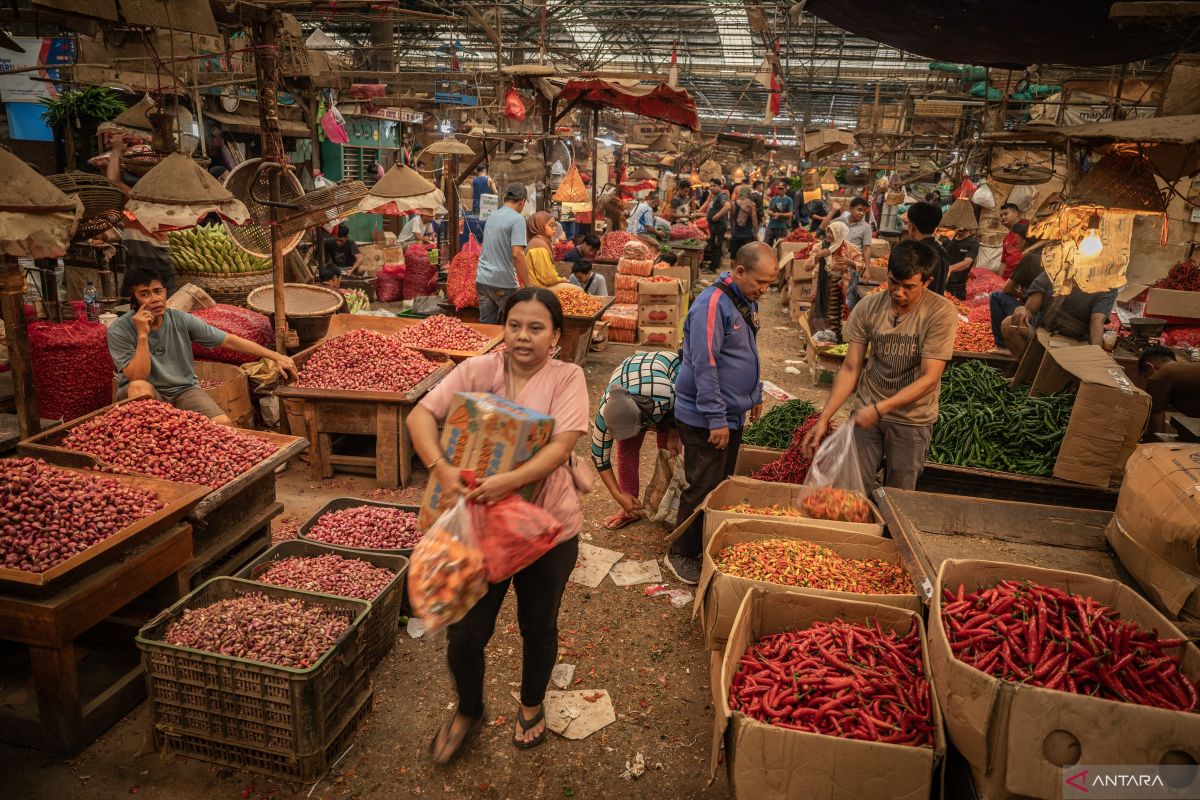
(655, 101)
(1171, 143)
(245, 123)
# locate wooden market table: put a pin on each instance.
(972, 482)
(80, 671)
(325, 413)
(231, 524)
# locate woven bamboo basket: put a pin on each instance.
(228, 289)
(309, 307)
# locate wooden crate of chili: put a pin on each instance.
(1017, 652)
(786, 554)
(822, 741)
(335, 397)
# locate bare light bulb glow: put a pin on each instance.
(1091, 244)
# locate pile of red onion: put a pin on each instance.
(150, 437)
(48, 514)
(366, 361)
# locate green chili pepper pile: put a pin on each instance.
(985, 423)
(774, 428)
(795, 562)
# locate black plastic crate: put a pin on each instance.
(237, 755)
(339, 503)
(261, 706)
(379, 627)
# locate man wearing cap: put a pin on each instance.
(502, 258)
(640, 395)
(962, 247)
(419, 228)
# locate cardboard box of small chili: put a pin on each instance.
(765, 761)
(488, 434)
(1018, 737)
(763, 494)
(719, 593)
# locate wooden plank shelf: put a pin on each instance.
(66, 674)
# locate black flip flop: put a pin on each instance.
(525, 724)
(471, 731)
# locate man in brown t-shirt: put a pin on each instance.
(910, 331)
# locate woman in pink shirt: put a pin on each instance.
(525, 374)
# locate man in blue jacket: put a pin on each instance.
(718, 383)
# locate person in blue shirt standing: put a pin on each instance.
(779, 214)
(718, 384)
(642, 218)
(481, 184)
(502, 268)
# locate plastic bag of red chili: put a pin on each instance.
(836, 462)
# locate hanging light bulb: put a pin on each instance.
(1092, 244)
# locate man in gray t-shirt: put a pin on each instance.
(502, 267)
(151, 347)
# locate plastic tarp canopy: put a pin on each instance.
(655, 101)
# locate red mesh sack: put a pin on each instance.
(389, 286)
(512, 533)
(460, 281)
(239, 321)
(420, 277)
(72, 371)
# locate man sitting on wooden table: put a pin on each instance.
(151, 346)
(1075, 314)
(1172, 385)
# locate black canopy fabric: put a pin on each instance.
(1012, 34)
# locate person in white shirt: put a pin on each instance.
(642, 218)
(418, 229)
(591, 282)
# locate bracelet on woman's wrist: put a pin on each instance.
(435, 462)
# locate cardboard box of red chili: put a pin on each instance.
(763, 760)
(1018, 737)
(488, 434)
(719, 593)
(764, 494)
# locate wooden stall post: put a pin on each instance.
(267, 79)
(12, 306)
(595, 162)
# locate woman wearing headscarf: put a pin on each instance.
(836, 260)
(539, 255)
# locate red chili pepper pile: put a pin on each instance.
(792, 466)
(840, 679)
(974, 337)
(842, 505)
(800, 235)
(1183, 277)
(1043, 636)
(959, 306)
(795, 562)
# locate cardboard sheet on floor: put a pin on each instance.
(630, 573)
(578, 714)
(593, 564)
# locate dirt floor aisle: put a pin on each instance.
(645, 653)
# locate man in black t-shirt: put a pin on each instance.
(922, 220)
(718, 198)
(341, 251)
(963, 250)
